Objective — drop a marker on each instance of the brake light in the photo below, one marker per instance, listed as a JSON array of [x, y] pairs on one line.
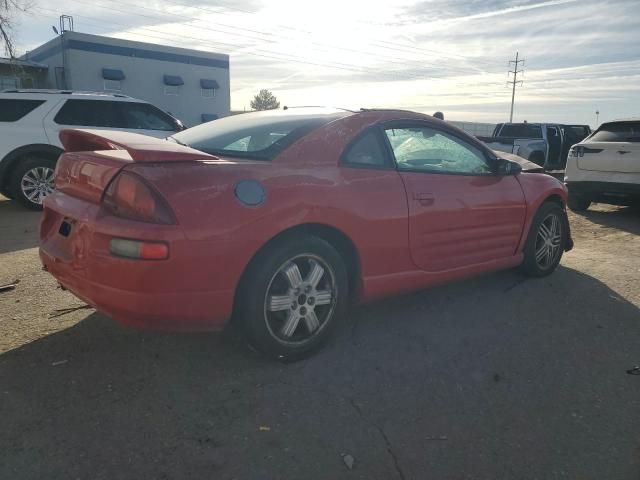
[[129, 196]]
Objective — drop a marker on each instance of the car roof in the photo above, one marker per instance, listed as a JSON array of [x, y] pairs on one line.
[[43, 94]]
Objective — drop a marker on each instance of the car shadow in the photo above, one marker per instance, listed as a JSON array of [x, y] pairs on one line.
[[477, 362], [622, 218], [18, 226]]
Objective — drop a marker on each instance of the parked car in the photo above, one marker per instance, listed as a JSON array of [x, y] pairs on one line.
[[280, 219], [30, 121], [545, 144], [605, 167]]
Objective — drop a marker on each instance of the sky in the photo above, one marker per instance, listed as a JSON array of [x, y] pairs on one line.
[[581, 56]]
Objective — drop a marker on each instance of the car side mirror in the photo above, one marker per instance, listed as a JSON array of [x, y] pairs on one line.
[[507, 167]]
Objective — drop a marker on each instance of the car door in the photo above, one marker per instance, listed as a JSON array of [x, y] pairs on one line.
[[461, 213]]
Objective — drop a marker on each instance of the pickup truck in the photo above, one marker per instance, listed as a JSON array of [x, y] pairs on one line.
[[545, 144]]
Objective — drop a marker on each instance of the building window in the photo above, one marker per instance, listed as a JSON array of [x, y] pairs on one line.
[[172, 84], [113, 79], [208, 87], [113, 85]]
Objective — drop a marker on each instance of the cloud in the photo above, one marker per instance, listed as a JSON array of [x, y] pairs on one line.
[[420, 54]]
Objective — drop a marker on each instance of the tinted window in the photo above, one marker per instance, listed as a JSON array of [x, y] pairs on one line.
[[145, 116], [521, 130], [617, 132], [366, 151], [259, 136], [429, 150], [12, 110], [90, 113]]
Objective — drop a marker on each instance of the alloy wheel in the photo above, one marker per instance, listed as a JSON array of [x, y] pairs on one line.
[[300, 299], [548, 241], [37, 183]]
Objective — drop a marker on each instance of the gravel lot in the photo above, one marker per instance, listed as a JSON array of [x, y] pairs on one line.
[[497, 377]]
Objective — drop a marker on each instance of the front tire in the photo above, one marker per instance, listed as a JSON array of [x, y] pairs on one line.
[[546, 241], [578, 203], [32, 180], [292, 297]]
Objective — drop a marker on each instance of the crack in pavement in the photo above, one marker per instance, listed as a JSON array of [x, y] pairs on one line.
[[392, 453]]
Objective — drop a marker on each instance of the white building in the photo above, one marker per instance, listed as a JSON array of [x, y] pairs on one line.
[[192, 85]]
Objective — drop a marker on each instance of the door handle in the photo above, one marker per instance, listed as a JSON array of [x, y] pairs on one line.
[[424, 198]]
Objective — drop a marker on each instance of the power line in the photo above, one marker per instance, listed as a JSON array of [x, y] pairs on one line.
[[515, 81], [242, 34], [259, 53]]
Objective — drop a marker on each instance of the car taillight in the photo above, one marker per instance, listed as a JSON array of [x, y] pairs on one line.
[[576, 151], [128, 196], [122, 247]]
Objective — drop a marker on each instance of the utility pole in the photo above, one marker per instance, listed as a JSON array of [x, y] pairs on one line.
[[515, 81]]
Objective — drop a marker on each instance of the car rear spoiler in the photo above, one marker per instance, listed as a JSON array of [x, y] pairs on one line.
[[141, 148]]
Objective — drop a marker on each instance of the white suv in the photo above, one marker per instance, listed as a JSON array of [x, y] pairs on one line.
[[605, 167], [30, 121]]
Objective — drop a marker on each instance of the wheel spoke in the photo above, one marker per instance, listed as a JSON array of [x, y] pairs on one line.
[[316, 273], [32, 196], [544, 231], [290, 324], [541, 253], [29, 179], [278, 303], [323, 297], [311, 320], [292, 272]]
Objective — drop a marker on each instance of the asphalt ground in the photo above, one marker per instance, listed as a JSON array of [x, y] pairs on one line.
[[496, 377]]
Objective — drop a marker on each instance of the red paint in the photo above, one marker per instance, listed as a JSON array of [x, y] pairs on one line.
[[410, 230]]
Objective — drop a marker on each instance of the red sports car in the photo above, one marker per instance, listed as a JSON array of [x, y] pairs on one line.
[[280, 219]]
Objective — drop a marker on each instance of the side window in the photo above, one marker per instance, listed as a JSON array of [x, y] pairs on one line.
[[143, 116], [429, 150], [89, 113], [12, 110], [365, 151]]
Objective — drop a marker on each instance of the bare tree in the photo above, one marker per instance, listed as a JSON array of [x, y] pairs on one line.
[[9, 9], [265, 100]]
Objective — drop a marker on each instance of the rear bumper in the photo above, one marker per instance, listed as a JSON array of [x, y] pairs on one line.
[[606, 192], [164, 295]]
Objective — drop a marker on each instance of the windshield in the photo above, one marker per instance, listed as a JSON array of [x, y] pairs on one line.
[[260, 135], [617, 132]]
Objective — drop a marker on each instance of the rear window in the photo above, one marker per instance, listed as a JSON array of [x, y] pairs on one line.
[[617, 132], [108, 114], [259, 136], [522, 130], [12, 110]]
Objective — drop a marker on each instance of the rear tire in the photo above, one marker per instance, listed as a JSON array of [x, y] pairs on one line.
[[31, 180], [578, 203], [5, 191], [292, 297], [546, 241]]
